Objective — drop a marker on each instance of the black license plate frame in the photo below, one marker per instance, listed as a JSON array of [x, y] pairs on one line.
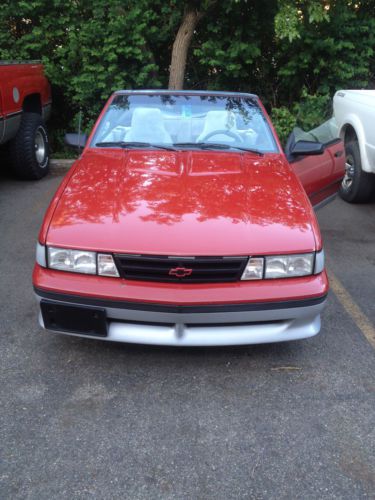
[[71, 318]]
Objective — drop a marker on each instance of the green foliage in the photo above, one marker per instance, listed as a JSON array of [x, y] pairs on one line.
[[308, 113], [330, 55], [233, 48], [89, 49], [312, 110], [292, 15], [287, 22], [293, 54], [284, 122], [60, 149]]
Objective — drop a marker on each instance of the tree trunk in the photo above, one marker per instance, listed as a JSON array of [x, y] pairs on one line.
[[181, 47]]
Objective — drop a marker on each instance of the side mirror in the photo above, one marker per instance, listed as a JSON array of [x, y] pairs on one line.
[[75, 140], [304, 148]]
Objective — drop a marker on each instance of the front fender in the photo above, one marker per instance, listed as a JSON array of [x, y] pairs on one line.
[[356, 123]]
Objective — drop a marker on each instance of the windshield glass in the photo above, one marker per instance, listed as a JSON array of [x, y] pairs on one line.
[[187, 121]]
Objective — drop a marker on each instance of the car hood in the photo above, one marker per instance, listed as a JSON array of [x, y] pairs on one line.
[[183, 203]]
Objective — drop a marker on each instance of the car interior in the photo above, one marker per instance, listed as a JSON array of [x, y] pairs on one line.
[[152, 125]]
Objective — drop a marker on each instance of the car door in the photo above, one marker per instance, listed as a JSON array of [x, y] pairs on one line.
[[320, 175]]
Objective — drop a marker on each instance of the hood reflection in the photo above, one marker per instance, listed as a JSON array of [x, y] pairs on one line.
[[164, 187], [191, 193]]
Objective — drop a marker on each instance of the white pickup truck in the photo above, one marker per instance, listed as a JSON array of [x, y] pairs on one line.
[[354, 113]]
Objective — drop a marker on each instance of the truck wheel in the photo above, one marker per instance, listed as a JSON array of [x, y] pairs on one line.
[[29, 149], [357, 185]]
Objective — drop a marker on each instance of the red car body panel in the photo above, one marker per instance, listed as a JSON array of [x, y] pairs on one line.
[[178, 293], [321, 176], [19, 82], [28, 79], [185, 203]]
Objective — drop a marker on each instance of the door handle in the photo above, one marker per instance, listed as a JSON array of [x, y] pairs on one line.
[[339, 153]]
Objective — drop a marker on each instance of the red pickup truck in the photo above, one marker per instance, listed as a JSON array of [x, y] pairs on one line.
[[25, 105], [184, 222]]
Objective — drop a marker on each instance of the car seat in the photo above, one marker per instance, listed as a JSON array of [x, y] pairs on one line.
[[147, 126], [218, 120]]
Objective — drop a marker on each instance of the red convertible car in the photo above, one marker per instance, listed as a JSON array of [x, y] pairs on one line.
[[184, 222]]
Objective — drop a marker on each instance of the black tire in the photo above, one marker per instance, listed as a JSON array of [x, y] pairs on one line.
[[29, 150], [357, 185]]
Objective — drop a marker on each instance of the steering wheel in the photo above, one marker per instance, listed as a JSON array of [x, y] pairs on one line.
[[229, 133]]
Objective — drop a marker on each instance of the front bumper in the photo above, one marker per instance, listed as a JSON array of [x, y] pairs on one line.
[[176, 325]]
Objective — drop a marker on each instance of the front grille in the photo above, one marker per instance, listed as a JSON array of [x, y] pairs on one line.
[[181, 269]]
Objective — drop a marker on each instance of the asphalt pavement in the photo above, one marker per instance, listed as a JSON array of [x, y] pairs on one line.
[[83, 419]]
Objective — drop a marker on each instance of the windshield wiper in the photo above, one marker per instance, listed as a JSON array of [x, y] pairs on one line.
[[198, 145], [134, 145], [248, 150], [215, 145]]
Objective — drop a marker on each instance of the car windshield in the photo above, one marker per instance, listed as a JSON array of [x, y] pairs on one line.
[[185, 121]]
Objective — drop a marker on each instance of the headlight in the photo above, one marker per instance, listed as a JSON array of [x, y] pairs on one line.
[[76, 261], [41, 255], [79, 261], [253, 269], [289, 266], [319, 262], [106, 265]]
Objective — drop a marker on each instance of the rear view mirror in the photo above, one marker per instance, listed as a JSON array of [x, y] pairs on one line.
[[304, 148], [75, 140]]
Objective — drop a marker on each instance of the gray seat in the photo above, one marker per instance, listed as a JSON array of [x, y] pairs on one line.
[[147, 126], [218, 120]]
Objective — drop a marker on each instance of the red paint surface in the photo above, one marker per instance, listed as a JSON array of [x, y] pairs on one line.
[[175, 293], [321, 175], [189, 203], [184, 203], [28, 79]]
